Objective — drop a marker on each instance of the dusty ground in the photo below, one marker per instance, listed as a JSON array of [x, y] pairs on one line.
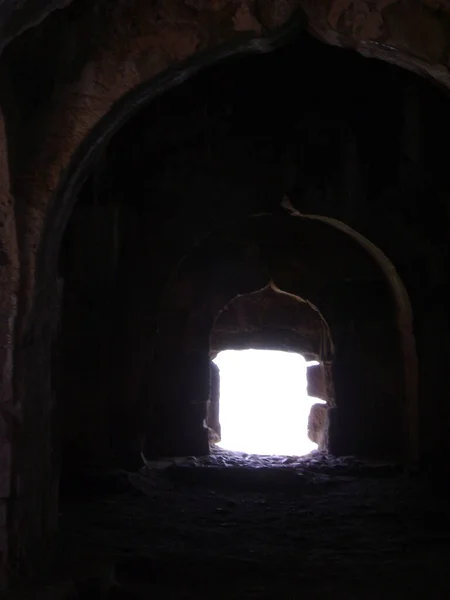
[[237, 526]]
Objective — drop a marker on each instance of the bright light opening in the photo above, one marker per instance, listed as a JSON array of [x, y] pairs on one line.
[[264, 406]]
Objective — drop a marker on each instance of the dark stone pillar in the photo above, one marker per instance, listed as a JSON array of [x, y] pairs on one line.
[[9, 410], [368, 380], [432, 335], [34, 513], [83, 375]]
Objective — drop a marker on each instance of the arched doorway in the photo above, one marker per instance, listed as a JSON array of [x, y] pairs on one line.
[[252, 332], [370, 418]]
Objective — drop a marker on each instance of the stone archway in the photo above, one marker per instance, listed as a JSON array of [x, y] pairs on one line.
[[46, 181], [85, 153], [269, 319], [404, 324], [371, 418]]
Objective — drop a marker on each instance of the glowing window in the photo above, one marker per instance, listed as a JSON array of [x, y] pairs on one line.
[[264, 406]]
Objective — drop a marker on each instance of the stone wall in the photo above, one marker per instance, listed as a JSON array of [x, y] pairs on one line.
[[8, 310], [316, 377], [270, 320], [84, 367], [212, 413]]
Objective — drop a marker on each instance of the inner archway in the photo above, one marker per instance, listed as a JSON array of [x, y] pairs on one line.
[[264, 403], [219, 149]]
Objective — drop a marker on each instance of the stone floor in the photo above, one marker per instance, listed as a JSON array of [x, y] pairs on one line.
[[237, 526]]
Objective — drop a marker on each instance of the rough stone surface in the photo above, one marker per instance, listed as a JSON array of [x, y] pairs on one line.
[[9, 411], [270, 320], [262, 527], [316, 377], [213, 411], [318, 425]]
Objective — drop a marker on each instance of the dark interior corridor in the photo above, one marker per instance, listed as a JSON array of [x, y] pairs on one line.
[[202, 183]]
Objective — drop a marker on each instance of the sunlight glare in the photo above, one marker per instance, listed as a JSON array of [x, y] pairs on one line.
[[264, 406]]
